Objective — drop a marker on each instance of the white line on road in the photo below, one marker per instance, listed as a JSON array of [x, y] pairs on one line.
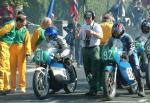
[[30, 70], [142, 100], [121, 101]]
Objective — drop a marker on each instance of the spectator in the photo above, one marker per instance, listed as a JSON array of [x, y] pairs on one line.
[[19, 51], [107, 23], [137, 13], [6, 12], [78, 55], [7, 33], [70, 38], [90, 35], [38, 35]]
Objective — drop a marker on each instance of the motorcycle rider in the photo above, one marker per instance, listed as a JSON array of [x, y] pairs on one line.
[[118, 32], [142, 39], [53, 40]]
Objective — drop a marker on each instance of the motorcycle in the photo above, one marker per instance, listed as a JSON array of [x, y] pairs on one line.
[[116, 68], [52, 74], [143, 49]]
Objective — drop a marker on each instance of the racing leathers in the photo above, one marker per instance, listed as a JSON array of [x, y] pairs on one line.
[[57, 43], [128, 46]]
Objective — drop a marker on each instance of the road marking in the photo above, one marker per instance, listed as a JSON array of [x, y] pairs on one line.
[[142, 100], [30, 70], [121, 101]]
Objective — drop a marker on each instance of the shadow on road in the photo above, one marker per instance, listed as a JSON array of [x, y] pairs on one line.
[[57, 98]]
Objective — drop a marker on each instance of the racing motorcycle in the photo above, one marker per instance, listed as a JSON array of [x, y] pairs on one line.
[[52, 74], [143, 49], [116, 68]]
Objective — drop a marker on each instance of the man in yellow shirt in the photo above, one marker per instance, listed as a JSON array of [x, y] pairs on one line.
[[38, 35], [106, 25], [19, 50]]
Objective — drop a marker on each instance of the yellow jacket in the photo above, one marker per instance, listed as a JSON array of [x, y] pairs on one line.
[[37, 37], [7, 32], [107, 31]]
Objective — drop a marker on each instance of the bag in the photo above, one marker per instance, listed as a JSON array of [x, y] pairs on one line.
[[70, 39]]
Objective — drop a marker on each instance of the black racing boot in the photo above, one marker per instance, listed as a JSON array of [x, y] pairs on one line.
[[141, 91]]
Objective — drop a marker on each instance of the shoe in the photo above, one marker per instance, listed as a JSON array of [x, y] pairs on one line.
[[10, 91], [52, 92], [78, 65], [141, 93], [91, 93], [2, 93], [22, 90]]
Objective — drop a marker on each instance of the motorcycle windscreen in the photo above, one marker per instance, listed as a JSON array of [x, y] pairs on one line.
[[59, 71], [125, 70]]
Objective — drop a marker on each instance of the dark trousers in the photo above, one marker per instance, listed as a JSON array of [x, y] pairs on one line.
[[91, 58]]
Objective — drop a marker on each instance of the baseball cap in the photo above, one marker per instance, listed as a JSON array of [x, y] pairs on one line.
[[88, 15]]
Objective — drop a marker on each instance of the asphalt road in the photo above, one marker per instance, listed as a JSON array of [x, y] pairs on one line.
[[78, 97]]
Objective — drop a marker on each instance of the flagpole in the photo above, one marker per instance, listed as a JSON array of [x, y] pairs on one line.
[[50, 9], [84, 8]]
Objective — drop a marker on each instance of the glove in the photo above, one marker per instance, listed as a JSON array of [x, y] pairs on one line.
[[28, 57], [124, 55], [57, 56]]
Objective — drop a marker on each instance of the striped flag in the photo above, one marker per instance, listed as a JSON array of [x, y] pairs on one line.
[[74, 10], [50, 9]]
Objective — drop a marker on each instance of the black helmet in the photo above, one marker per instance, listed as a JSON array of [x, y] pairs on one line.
[[145, 26], [117, 30]]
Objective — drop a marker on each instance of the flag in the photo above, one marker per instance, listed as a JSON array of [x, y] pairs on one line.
[[74, 10], [50, 9]]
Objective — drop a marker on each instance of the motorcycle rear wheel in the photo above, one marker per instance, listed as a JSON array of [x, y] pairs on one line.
[[40, 86]]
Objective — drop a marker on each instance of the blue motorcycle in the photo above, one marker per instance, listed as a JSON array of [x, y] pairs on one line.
[[116, 68], [52, 74], [143, 48]]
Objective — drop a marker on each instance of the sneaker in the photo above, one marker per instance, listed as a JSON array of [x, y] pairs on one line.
[[10, 91], [22, 90], [141, 93], [2, 93]]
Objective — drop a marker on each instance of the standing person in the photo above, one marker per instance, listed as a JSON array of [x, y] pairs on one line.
[[38, 35], [78, 55], [19, 51], [91, 34], [118, 32], [107, 24], [7, 35], [70, 39], [6, 12], [137, 13]]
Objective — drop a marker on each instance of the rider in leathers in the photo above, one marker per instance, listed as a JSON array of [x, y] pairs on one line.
[[57, 42], [53, 40], [144, 40], [118, 32]]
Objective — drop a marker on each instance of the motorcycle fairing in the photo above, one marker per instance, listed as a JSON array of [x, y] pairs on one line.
[[60, 72], [125, 70]]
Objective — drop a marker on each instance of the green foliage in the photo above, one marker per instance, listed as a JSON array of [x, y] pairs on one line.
[[37, 10], [16, 2]]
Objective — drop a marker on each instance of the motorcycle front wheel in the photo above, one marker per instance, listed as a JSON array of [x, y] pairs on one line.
[[40, 86], [70, 88], [109, 89]]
